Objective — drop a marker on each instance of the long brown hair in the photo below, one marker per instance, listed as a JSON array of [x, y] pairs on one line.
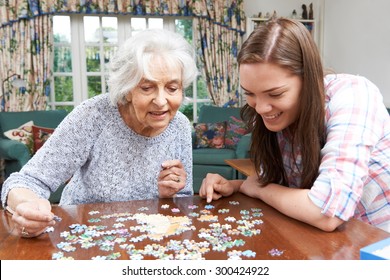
[[288, 44]]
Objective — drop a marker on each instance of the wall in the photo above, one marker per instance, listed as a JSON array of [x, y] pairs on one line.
[[354, 35], [357, 40]]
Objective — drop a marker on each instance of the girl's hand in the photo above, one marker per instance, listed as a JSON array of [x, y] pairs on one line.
[[214, 186]]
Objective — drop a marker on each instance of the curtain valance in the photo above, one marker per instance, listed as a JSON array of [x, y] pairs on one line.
[[227, 13]]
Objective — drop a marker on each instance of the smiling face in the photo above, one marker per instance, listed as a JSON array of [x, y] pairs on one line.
[[273, 92], [153, 103]]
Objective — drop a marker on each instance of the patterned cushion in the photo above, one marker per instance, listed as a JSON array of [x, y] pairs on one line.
[[40, 135], [23, 134], [235, 129], [210, 135]]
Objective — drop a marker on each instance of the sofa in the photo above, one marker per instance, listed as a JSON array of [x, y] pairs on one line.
[[211, 159], [16, 154]]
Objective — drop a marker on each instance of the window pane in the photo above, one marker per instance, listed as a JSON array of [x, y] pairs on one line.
[[189, 91], [91, 29], [68, 108], [110, 29], [94, 86], [63, 89], [105, 81], [187, 109], [93, 59], [62, 59], [156, 23], [137, 24], [184, 27], [61, 29], [108, 54], [202, 92]]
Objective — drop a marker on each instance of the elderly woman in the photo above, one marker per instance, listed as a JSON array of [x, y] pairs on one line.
[[130, 144]]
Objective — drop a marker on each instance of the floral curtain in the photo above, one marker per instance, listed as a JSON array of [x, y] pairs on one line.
[[25, 52], [218, 47], [219, 35], [26, 41]]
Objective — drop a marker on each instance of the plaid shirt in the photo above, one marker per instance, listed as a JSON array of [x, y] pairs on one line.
[[354, 175]]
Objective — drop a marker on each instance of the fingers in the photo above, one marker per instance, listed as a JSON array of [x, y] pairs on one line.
[[32, 218], [177, 176], [33, 214], [172, 163], [172, 178], [173, 170], [211, 187], [212, 195], [29, 228], [169, 188], [29, 232]]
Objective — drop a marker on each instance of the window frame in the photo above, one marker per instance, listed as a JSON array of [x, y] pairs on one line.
[[79, 72]]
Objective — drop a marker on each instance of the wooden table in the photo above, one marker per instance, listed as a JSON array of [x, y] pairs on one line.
[[278, 232], [245, 166]]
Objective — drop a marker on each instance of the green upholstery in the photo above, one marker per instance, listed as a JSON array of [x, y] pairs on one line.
[[209, 156], [217, 114], [16, 154], [209, 160]]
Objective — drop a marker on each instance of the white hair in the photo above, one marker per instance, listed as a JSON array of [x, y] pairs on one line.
[[133, 59]]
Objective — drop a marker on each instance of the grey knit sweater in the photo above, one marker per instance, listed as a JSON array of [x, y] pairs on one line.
[[105, 159]]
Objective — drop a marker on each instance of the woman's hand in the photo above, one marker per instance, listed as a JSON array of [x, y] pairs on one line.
[[214, 186], [32, 217], [172, 178]]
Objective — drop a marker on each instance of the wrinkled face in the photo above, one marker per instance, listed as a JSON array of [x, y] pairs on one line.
[[273, 92], [155, 101]]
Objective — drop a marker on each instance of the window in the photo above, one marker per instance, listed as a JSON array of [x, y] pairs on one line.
[[83, 46]]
